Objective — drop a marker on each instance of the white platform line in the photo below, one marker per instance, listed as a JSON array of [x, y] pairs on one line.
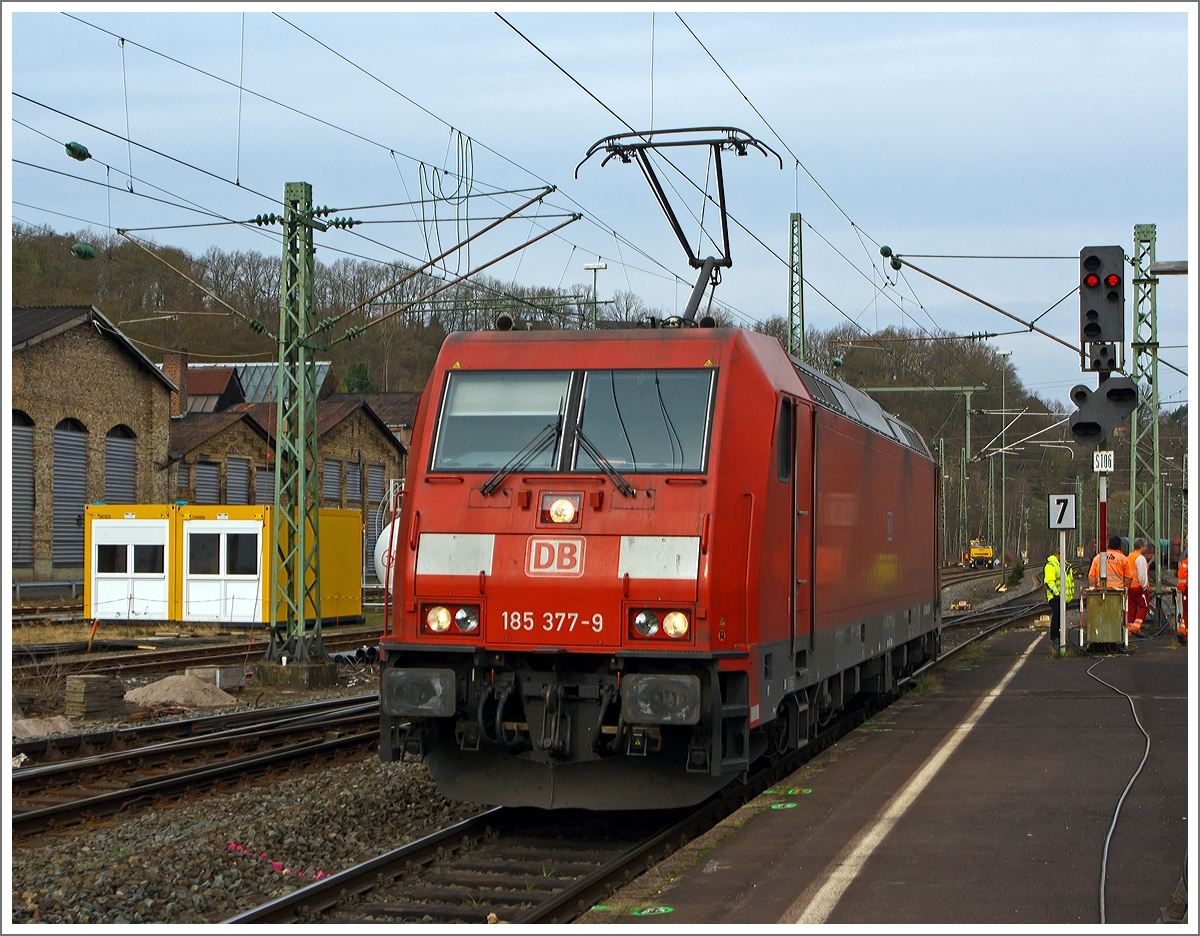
[[840, 873]]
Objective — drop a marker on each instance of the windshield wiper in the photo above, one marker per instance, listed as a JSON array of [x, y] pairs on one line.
[[523, 457], [606, 466]]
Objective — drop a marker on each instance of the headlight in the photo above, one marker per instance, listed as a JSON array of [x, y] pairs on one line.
[[467, 620], [675, 624], [562, 511], [438, 619], [560, 508], [646, 623]]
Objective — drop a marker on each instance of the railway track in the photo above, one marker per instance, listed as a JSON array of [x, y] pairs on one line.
[[523, 865], [52, 794], [533, 866], [37, 614], [954, 576], [158, 661]]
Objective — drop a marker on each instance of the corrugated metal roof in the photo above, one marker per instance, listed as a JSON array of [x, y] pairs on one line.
[[208, 381], [258, 380]]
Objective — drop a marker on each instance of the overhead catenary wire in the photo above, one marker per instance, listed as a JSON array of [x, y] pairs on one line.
[[854, 226], [590, 216], [198, 208], [987, 257], [457, 280], [195, 205], [255, 324], [163, 201], [859, 232], [992, 306], [731, 217], [149, 149]]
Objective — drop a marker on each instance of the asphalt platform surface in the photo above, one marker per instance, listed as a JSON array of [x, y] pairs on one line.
[[1010, 830]]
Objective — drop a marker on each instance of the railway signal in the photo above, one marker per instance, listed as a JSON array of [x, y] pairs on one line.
[[1101, 410], [1102, 308]]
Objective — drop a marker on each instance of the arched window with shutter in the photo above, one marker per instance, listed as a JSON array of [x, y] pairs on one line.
[[70, 492], [120, 466], [22, 489]]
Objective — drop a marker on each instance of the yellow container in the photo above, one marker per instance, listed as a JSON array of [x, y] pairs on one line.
[[341, 564], [223, 553], [206, 563], [129, 554]]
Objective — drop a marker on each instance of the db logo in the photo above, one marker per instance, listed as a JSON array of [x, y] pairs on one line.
[[554, 556]]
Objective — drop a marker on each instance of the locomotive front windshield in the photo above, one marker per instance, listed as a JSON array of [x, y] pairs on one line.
[[646, 420], [636, 420], [488, 417]]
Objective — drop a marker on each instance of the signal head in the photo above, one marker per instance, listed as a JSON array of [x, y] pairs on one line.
[[1101, 307]]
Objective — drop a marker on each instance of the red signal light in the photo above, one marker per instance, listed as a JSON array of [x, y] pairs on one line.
[[1112, 279], [1091, 280]]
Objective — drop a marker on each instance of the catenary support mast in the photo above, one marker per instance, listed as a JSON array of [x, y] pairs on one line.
[[295, 573], [1145, 517]]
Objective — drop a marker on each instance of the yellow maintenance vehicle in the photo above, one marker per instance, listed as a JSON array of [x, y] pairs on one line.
[[980, 556]]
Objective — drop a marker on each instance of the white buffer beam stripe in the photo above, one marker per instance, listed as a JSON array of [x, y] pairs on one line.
[[659, 557], [455, 553]]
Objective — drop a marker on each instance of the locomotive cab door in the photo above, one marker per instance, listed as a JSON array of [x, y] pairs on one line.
[[804, 480]]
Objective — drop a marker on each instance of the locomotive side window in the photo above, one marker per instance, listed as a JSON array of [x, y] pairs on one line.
[[647, 420], [784, 454], [490, 416]]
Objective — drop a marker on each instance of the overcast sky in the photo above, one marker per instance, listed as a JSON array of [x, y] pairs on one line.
[[1026, 133]]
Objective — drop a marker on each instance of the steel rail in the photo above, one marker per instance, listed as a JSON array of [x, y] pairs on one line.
[[325, 893], [39, 820], [1006, 620], [155, 661], [266, 728], [203, 725], [563, 905]]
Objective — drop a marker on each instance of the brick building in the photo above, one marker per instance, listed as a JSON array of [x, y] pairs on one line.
[[90, 423], [228, 458], [359, 455], [221, 458], [397, 409]]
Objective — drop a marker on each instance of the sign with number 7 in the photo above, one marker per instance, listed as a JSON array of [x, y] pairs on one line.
[[1062, 512]]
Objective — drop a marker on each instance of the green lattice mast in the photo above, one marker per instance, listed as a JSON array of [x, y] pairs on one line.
[[296, 571], [795, 334], [1145, 517]]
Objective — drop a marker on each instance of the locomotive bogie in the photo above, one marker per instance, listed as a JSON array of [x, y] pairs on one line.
[[634, 563]]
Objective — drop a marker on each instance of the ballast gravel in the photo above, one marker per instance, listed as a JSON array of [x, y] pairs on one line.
[[228, 852]]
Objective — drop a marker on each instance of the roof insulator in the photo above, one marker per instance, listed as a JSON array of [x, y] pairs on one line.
[[83, 252], [896, 264], [885, 251], [78, 151]]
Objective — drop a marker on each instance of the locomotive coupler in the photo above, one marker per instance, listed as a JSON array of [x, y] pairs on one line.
[[558, 741]]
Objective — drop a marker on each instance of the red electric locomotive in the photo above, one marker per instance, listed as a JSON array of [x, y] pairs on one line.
[[632, 562]]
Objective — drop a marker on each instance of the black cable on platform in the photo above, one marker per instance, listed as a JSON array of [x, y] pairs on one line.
[[1128, 786]]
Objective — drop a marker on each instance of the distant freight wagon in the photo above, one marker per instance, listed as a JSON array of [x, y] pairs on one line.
[[185, 563]]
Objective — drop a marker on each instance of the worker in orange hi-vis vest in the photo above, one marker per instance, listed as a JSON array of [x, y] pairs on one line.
[[1118, 572], [1181, 633], [1139, 584]]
